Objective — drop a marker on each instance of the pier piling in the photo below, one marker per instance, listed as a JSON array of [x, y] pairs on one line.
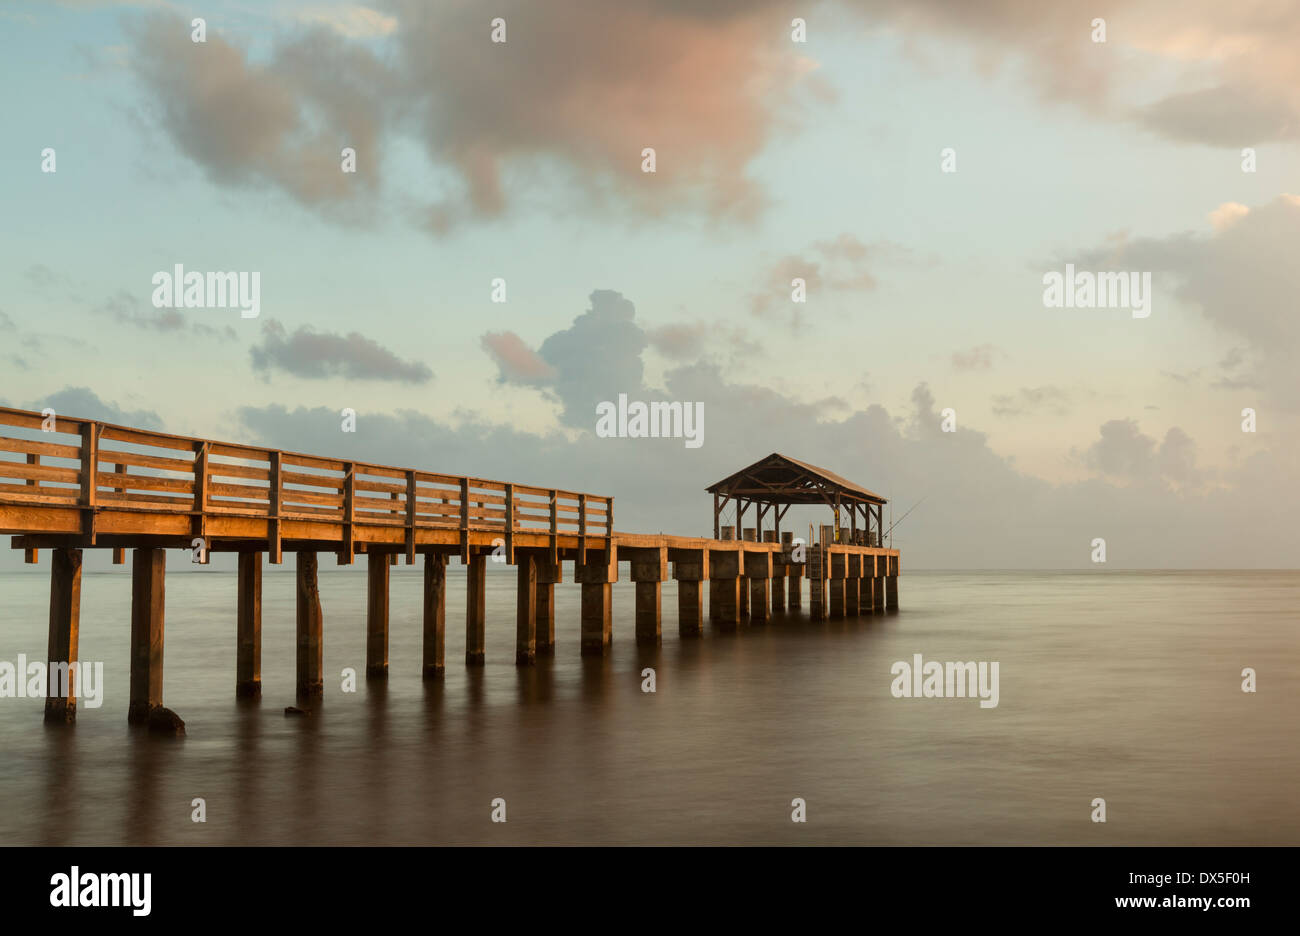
[[377, 592], [435, 614], [65, 627], [526, 609], [148, 599], [248, 629], [549, 574], [311, 647], [476, 610]]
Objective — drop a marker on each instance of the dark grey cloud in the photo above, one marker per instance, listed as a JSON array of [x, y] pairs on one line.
[[978, 358], [1028, 400], [1223, 116], [129, 309], [85, 403], [321, 355]]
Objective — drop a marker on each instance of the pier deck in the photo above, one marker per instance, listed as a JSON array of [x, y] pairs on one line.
[[68, 484]]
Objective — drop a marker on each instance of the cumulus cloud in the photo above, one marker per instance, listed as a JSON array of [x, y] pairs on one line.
[[282, 123], [1147, 497], [1244, 280], [320, 355]]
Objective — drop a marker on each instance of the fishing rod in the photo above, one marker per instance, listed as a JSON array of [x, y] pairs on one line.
[[895, 523]]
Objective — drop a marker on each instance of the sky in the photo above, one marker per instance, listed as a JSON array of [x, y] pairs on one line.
[[822, 159]]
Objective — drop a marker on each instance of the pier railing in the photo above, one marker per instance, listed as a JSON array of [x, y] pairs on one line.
[[100, 466]]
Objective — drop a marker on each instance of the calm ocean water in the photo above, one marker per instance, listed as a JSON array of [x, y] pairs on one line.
[[1119, 685]]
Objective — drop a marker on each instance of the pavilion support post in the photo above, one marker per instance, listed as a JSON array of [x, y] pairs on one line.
[[311, 629], [435, 615], [526, 609], [476, 610], [878, 586], [649, 569], [377, 566], [148, 575], [248, 627], [65, 629]]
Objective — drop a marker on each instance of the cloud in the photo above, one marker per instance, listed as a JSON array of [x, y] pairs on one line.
[[1243, 278], [979, 357], [1227, 214], [1124, 452], [321, 355], [683, 341], [282, 123], [6, 323], [351, 22], [516, 362], [1028, 400], [1223, 116], [82, 402], [840, 265], [128, 309]]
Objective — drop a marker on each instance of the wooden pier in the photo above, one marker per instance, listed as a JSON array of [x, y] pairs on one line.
[[117, 488]]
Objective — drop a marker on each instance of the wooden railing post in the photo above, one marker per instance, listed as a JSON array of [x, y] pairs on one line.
[[199, 523], [89, 472], [510, 522], [555, 529], [582, 530], [31, 555], [119, 553], [410, 518], [349, 512], [274, 494], [464, 519]]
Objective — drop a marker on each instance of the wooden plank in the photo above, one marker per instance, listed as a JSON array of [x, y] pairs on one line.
[[223, 470], [181, 465], [32, 447], [39, 472], [136, 482]]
